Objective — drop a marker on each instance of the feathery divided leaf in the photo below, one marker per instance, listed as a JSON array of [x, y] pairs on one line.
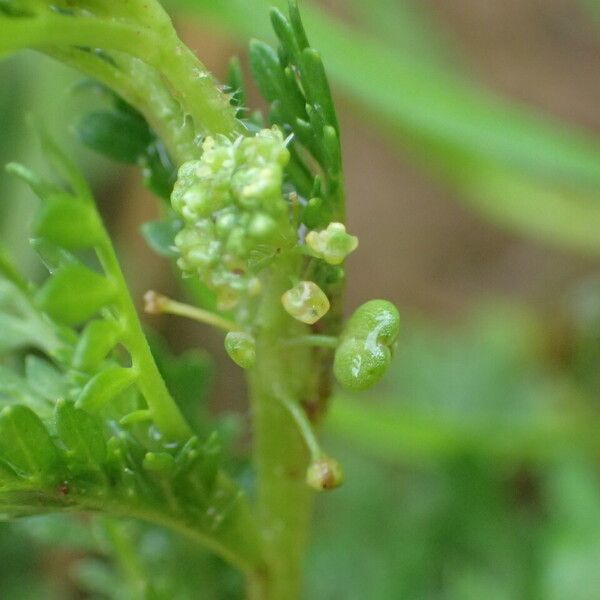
[[82, 436], [26, 445], [74, 294], [294, 82], [75, 432]]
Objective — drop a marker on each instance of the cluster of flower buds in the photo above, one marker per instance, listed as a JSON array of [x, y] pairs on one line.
[[233, 212]]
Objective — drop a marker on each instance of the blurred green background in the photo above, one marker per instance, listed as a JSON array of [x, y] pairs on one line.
[[471, 136]]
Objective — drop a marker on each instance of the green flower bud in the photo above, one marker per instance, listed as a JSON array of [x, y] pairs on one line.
[[252, 185], [237, 243], [262, 227], [201, 202], [365, 349], [241, 348], [225, 221], [312, 215], [324, 474], [332, 244], [306, 302], [232, 207]]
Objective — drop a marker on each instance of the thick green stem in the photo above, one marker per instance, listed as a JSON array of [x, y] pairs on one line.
[[191, 83], [141, 86], [280, 454]]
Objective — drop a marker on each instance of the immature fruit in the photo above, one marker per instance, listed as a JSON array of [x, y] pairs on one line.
[[324, 474], [365, 349], [332, 244], [241, 348], [306, 302]]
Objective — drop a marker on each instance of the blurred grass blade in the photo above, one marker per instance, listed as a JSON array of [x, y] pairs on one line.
[[410, 436], [404, 25]]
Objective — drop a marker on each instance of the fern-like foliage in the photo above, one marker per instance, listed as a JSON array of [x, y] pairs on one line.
[[84, 425], [293, 80]]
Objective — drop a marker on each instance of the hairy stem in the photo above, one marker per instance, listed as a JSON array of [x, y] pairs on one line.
[[190, 82], [141, 86]]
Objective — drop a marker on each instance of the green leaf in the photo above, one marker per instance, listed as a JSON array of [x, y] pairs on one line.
[[82, 435], [121, 136], [160, 236], [64, 166], [16, 333], [7, 473], [54, 257], [8, 271], [285, 33], [20, 324], [158, 170], [40, 186], [14, 389], [74, 294], [197, 467], [266, 70], [26, 445], [235, 81], [98, 338], [67, 222], [316, 85], [188, 377], [332, 151], [16, 8], [105, 386], [45, 378], [297, 26]]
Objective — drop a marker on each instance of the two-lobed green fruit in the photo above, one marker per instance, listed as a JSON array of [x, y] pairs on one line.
[[366, 345]]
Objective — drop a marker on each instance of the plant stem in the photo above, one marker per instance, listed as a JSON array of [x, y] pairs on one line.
[[304, 426], [141, 86], [191, 83], [316, 341], [280, 453], [159, 304], [164, 411]]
